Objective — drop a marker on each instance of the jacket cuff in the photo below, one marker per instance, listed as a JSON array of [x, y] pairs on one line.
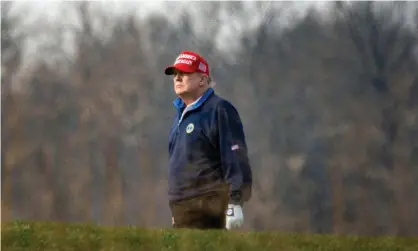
[[235, 198]]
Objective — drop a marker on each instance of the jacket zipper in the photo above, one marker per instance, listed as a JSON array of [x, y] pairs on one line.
[[182, 118]]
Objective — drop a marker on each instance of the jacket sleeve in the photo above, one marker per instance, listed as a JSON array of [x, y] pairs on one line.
[[233, 152]]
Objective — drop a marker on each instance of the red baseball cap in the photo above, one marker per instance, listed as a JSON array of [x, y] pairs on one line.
[[189, 61]]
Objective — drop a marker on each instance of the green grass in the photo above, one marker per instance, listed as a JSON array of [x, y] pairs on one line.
[[34, 236]]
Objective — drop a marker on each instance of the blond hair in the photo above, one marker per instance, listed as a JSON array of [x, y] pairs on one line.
[[210, 81]]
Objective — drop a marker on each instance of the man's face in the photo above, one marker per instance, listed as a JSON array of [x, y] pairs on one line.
[[186, 83]]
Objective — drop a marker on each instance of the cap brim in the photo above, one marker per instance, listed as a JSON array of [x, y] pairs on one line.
[[170, 70]]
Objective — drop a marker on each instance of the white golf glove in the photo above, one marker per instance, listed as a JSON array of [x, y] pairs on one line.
[[234, 217]]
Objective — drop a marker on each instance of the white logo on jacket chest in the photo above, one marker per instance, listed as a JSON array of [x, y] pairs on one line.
[[189, 128]]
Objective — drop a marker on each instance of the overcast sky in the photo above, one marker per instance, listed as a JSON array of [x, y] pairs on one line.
[[52, 7], [39, 13], [51, 12]]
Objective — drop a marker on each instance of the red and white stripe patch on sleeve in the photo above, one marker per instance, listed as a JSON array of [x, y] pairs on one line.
[[235, 147]]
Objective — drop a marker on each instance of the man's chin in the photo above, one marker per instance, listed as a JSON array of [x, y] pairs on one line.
[[180, 92]]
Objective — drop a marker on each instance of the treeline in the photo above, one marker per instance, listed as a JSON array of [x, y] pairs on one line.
[[329, 104]]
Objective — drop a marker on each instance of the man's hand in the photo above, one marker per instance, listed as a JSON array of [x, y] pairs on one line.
[[234, 216]]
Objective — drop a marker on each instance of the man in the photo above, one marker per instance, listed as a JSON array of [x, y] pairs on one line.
[[209, 173]]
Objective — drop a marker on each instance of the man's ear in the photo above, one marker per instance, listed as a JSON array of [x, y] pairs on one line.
[[202, 80]]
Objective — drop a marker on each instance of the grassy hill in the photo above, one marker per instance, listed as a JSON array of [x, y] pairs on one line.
[[43, 236]]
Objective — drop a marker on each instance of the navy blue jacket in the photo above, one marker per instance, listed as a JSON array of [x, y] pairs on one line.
[[207, 150]]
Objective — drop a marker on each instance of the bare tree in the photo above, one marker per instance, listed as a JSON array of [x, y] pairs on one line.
[[11, 44]]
